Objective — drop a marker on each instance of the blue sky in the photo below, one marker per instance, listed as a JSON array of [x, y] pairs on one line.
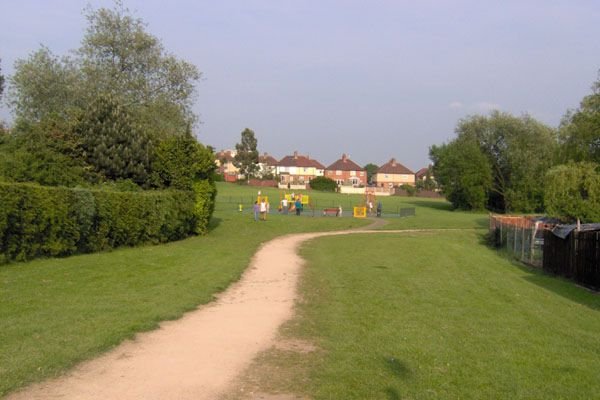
[[375, 80]]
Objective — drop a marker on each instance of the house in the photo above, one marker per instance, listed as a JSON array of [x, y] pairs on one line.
[[346, 172], [225, 166], [298, 170], [393, 174], [421, 175], [267, 165]]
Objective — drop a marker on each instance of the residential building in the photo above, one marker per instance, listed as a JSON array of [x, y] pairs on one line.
[[267, 165], [392, 174], [225, 166], [298, 169], [346, 172]]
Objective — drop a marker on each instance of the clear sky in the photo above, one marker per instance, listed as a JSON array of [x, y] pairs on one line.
[[373, 79]]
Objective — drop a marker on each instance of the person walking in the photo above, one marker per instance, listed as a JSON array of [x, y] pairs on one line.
[[263, 210], [256, 209], [298, 205], [284, 205]]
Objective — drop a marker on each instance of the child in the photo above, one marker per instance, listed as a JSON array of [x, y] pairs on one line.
[[256, 209]]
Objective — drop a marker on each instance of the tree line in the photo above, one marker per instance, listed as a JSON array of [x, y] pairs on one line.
[[505, 163], [115, 111]]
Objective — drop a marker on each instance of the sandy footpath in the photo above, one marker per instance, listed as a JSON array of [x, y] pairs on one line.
[[199, 355]]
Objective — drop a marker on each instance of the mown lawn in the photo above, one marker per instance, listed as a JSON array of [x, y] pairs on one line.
[[57, 312], [435, 316]]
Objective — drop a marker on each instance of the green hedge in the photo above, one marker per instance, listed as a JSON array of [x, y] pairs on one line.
[[38, 221]]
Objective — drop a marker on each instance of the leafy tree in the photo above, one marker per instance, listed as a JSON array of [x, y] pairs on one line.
[[45, 85], [580, 130], [112, 144], [323, 184], [463, 172], [371, 171], [1, 82], [180, 161], [518, 152], [119, 57], [573, 191], [246, 158]]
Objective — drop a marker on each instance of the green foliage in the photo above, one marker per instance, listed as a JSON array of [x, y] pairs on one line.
[[371, 171], [463, 172], [580, 130], [517, 152], [42, 153], [180, 161], [112, 144], [573, 191], [246, 158], [205, 193], [409, 189], [323, 184], [1, 82], [40, 221]]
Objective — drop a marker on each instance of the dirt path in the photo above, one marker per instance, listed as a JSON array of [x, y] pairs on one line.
[[198, 356]]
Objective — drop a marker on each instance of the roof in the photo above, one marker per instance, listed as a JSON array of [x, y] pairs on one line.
[[267, 159], [226, 155], [297, 160], [422, 172], [393, 167], [345, 164], [562, 231]]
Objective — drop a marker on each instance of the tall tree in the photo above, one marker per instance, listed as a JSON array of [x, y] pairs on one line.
[[371, 171], [111, 142], [573, 192], [580, 130], [464, 173], [1, 82], [520, 150], [246, 158]]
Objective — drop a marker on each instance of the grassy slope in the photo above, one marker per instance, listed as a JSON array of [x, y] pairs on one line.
[[56, 312], [425, 316]]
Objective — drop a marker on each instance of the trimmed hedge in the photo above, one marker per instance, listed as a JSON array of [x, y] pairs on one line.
[[37, 221]]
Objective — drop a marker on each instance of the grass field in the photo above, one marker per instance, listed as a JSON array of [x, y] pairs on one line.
[[434, 316], [418, 316]]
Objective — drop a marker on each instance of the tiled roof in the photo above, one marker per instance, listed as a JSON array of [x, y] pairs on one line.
[[393, 167], [422, 172], [267, 159], [297, 160], [226, 155], [344, 164]]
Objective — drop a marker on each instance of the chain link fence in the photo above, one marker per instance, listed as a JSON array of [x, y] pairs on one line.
[[520, 236]]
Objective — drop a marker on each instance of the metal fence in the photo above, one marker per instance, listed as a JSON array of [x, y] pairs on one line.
[[519, 236]]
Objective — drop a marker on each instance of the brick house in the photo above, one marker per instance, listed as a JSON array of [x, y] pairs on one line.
[[225, 167], [267, 165], [298, 169], [346, 172], [392, 174]]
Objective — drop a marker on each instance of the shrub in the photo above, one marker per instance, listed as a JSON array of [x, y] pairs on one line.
[[38, 221], [323, 184]]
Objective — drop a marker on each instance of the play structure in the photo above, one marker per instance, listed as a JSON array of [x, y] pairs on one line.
[[291, 199], [368, 205]]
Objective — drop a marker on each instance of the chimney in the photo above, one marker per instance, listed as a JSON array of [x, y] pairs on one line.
[[344, 157], [296, 155], [393, 161]]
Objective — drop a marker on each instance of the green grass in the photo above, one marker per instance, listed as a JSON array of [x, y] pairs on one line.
[[57, 312], [436, 316], [397, 316]]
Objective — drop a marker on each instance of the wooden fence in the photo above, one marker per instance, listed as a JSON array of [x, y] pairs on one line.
[[577, 257]]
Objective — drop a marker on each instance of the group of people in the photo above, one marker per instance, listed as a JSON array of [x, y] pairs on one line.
[[261, 206]]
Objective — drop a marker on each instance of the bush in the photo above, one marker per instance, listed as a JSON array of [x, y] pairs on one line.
[[323, 184], [37, 221], [409, 189]]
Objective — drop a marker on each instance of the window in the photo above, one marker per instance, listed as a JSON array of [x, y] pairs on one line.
[[338, 172], [352, 173]]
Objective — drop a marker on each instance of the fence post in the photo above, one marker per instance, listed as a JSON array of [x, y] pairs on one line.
[[522, 243], [514, 239]]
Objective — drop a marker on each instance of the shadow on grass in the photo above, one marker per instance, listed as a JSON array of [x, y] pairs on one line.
[[397, 367], [214, 223], [561, 286], [436, 205], [392, 393]]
